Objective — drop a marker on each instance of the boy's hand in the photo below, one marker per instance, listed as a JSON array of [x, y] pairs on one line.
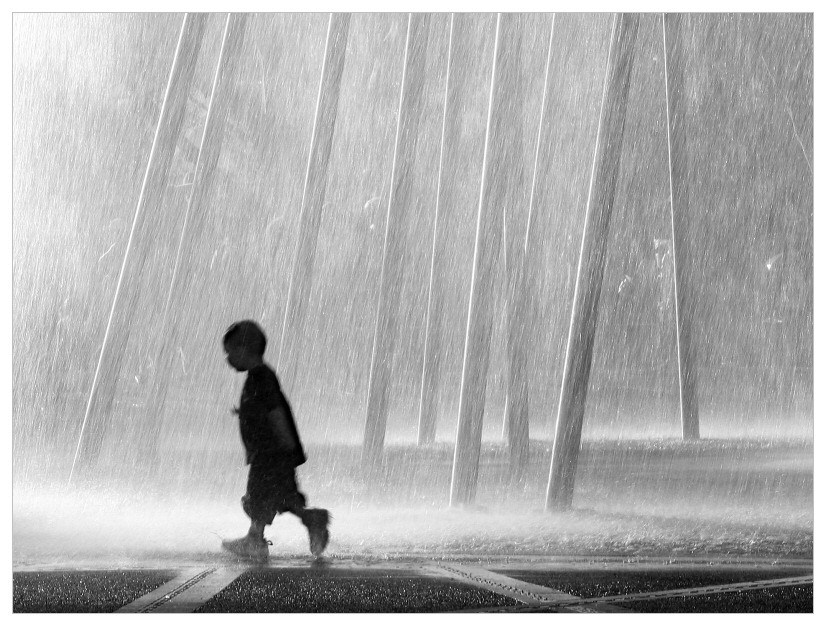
[[283, 434]]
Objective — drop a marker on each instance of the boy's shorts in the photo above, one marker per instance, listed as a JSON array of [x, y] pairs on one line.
[[271, 489]]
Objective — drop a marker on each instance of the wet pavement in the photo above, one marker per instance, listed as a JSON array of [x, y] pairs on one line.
[[500, 584], [657, 527]]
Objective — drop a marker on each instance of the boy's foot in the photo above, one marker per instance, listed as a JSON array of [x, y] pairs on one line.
[[316, 521], [248, 547]]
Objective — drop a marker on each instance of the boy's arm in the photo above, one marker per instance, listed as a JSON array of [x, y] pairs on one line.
[[278, 422]]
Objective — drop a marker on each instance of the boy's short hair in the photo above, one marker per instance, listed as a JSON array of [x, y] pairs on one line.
[[247, 333]]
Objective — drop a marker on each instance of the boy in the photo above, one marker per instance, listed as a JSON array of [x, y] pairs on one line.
[[272, 445]]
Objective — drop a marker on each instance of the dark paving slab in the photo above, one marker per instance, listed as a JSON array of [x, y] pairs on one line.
[[83, 591], [289, 590], [621, 581], [797, 599]]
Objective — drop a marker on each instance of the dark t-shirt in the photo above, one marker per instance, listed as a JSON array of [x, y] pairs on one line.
[[260, 395]]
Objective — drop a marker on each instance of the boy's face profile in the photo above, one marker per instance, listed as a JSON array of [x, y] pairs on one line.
[[240, 357]]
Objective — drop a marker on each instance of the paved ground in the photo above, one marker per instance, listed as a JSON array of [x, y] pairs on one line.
[[720, 526], [337, 585]]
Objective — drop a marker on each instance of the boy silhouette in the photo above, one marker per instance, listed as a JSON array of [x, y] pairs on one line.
[[273, 448]]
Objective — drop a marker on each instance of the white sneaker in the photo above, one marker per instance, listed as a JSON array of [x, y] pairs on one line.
[[248, 547]]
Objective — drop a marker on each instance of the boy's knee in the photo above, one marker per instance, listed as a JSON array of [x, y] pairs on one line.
[[298, 505], [257, 512], [315, 518]]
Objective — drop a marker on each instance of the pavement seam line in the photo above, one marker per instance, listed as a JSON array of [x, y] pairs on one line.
[[202, 591], [517, 589], [693, 591], [165, 592], [508, 588], [179, 590]]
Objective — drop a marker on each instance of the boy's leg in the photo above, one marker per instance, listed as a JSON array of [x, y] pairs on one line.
[[257, 529], [272, 488], [317, 522], [260, 512]]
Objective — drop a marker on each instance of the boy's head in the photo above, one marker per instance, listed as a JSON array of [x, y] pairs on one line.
[[244, 343]]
